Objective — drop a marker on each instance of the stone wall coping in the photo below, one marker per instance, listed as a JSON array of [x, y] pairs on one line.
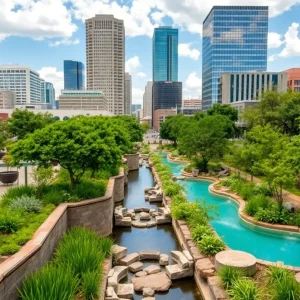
[[135, 154], [34, 245]]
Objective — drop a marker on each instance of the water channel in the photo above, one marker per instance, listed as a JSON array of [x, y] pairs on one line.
[[161, 238]]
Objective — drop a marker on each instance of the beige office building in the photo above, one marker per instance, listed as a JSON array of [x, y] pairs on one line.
[[7, 99], [105, 59], [147, 100], [82, 100], [128, 94]]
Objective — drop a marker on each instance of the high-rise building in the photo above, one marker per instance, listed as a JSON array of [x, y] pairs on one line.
[[234, 40], [249, 86], [165, 54], [7, 99], [147, 100], [166, 95], [43, 91], [128, 94], [135, 107], [293, 79], [49, 93], [25, 82], [105, 60], [73, 75]]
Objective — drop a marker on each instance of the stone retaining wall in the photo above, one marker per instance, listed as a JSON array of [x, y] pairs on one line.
[[95, 214], [132, 161]]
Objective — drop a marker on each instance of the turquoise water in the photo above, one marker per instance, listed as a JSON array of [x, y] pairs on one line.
[[262, 243]]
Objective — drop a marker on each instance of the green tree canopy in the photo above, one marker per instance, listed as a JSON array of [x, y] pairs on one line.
[[23, 121], [224, 110], [132, 126], [204, 139], [78, 144]]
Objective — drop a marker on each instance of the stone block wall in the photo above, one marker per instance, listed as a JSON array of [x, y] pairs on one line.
[[119, 186], [132, 161], [95, 214]]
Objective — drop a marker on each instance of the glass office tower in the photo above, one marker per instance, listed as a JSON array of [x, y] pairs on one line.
[[73, 75], [235, 39], [165, 54]]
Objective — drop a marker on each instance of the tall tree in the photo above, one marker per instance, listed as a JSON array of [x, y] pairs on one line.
[[204, 140], [224, 110], [23, 122]]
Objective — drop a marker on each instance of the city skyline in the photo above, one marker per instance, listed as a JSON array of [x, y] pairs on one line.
[[45, 51]]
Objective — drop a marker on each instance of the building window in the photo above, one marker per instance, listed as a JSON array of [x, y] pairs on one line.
[[296, 82]]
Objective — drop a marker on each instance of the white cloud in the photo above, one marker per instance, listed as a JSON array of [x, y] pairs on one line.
[[292, 42], [132, 63], [137, 96], [141, 74], [35, 19], [274, 40], [193, 86], [54, 76], [65, 42], [272, 57], [188, 51]]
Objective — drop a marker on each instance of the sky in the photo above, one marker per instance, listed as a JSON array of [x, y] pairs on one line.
[[41, 34]]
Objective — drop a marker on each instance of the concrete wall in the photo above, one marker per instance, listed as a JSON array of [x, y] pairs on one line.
[[132, 161], [95, 214]]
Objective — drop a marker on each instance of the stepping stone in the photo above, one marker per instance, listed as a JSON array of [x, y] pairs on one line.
[[136, 267], [164, 259], [129, 259], [142, 209], [159, 282], [138, 224], [145, 216], [151, 224], [163, 220], [125, 291], [148, 298], [148, 292], [124, 222], [120, 272], [180, 259], [141, 274], [119, 252], [176, 272], [152, 269], [149, 255]]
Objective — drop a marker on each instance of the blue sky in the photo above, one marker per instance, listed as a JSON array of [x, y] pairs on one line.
[[42, 33]]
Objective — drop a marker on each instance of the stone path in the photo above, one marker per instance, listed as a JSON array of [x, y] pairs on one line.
[[156, 277]]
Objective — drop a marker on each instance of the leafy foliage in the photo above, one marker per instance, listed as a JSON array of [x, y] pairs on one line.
[[26, 203], [9, 223], [244, 289], [211, 245], [229, 274]]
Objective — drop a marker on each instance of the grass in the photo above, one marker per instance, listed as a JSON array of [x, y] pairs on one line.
[[77, 268], [245, 289], [228, 275]]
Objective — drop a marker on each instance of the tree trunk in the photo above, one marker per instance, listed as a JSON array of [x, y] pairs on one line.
[[72, 179]]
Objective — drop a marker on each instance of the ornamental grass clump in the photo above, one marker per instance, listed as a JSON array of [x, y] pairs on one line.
[[229, 274], [211, 245], [51, 282], [245, 289], [9, 222], [90, 284], [199, 231]]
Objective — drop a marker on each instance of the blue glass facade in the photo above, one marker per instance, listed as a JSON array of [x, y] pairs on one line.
[[234, 40], [165, 54], [73, 75], [49, 93]]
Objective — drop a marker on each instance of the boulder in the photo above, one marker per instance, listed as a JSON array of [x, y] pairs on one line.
[[162, 220], [176, 272], [129, 259], [119, 252], [136, 267], [152, 269], [180, 259], [124, 222], [111, 294], [125, 291], [142, 209], [195, 172], [159, 282], [138, 224], [148, 292], [164, 259], [151, 224], [149, 255], [205, 268], [188, 255], [141, 274], [145, 216]]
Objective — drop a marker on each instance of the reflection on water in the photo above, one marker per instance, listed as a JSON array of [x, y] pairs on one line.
[[161, 238]]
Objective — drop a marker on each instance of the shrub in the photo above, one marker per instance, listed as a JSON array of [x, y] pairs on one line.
[[189, 168], [211, 245], [262, 189], [51, 282], [58, 193], [273, 215], [257, 202], [41, 176], [172, 189], [17, 192], [9, 222], [244, 289], [90, 189], [8, 249], [29, 204], [199, 231], [283, 284], [90, 284], [179, 198], [175, 153], [228, 275], [246, 191]]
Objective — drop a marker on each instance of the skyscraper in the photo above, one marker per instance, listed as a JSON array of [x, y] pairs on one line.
[[105, 60], [128, 94], [165, 54], [147, 100], [234, 40], [49, 93], [73, 75]]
